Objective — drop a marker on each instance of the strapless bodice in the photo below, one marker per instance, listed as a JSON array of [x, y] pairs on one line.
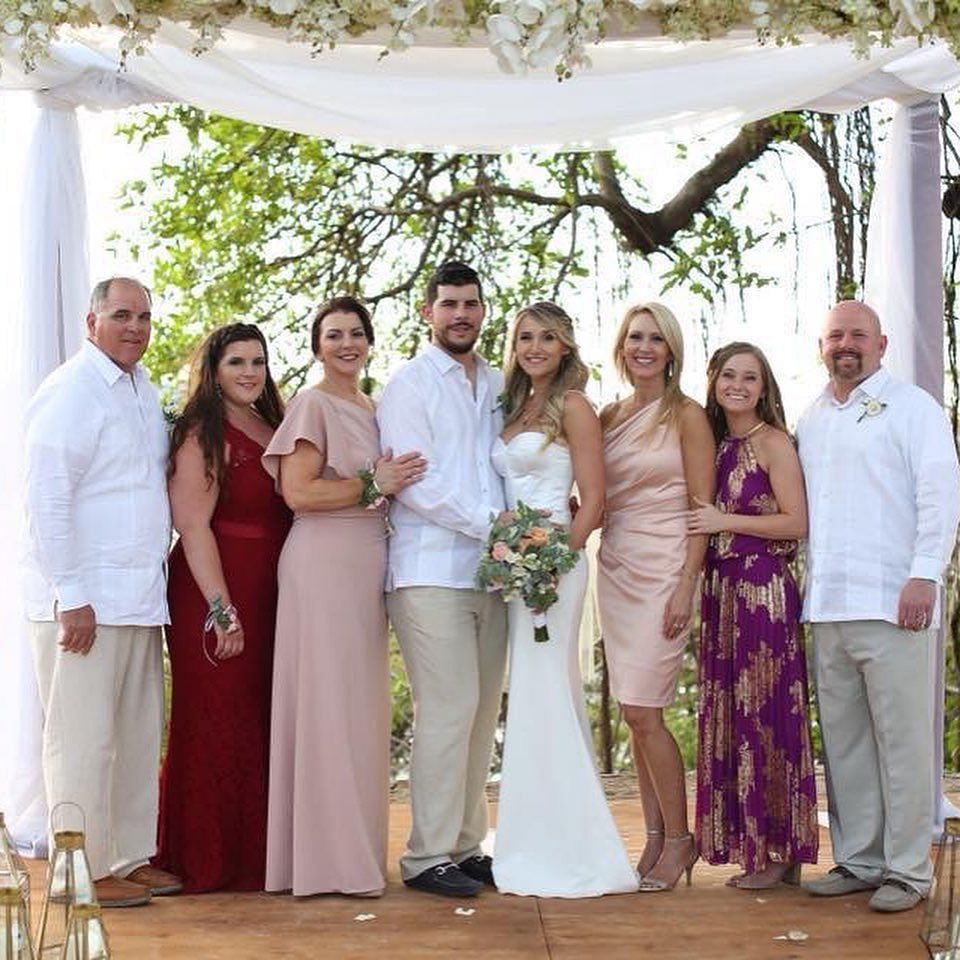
[[540, 477]]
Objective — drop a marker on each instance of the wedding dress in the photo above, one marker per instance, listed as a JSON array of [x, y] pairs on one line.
[[555, 834]]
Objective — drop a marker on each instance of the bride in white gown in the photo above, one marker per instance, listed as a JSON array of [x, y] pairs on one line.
[[555, 834]]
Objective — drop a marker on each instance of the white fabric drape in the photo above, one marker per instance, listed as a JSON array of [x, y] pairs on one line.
[[904, 252], [55, 282], [438, 95]]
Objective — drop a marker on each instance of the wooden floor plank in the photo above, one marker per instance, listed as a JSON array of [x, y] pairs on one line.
[[708, 920]]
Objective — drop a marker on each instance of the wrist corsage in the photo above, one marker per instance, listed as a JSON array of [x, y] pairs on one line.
[[371, 496], [218, 615]]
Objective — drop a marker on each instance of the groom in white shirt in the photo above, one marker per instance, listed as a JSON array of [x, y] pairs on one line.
[[445, 403], [884, 497]]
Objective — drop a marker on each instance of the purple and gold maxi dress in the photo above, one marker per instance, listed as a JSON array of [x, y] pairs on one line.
[[756, 792]]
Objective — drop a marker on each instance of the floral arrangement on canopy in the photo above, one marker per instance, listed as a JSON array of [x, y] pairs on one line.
[[522, 34]]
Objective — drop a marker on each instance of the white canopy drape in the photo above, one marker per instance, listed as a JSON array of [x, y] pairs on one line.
[[440, 95]]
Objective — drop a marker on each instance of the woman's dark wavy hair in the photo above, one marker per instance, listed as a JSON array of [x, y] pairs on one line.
[[203, 412]]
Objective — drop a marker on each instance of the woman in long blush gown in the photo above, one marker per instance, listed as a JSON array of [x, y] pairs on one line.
[[330, 729], [555, 834], [213, 787], [658, 455], [756, 791]]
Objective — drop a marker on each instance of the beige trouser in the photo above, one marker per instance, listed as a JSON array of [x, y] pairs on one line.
[[874, 697], [103, 718], [454, 644]]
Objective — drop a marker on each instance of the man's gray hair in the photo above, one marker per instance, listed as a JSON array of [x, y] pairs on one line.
[[102, 290]]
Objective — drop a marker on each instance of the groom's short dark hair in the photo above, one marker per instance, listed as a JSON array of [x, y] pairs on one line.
[[453, 273]]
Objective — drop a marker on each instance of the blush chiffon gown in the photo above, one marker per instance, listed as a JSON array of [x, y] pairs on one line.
[[330, 737]]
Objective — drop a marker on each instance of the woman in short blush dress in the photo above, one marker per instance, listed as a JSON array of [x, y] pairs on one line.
[[756, 791], [330, 731], [658, 456], [213, 786]]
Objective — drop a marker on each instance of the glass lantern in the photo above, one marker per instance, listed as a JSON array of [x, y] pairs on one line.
[[68, 883], [940, 926], [13, 868], [15, 942], [86, 938]]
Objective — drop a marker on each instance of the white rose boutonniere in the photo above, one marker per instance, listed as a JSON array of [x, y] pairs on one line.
[[871, 407]]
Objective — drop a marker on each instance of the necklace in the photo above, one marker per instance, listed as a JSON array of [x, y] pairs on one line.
[[756, 427]]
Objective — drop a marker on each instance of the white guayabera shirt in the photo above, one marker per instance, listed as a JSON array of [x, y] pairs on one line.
[[98, 520], [441, 523], [883, 489]]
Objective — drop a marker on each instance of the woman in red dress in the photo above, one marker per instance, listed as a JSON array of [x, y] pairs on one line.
[[223, 598]]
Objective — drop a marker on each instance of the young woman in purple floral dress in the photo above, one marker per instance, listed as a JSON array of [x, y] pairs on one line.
[[756, 793]]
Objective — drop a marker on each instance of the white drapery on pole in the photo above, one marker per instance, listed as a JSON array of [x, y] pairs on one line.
[[905, 285], [55, 284], [904, 249]]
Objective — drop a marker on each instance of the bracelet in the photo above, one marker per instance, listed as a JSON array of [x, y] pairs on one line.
[[225, 617], [371, 495]]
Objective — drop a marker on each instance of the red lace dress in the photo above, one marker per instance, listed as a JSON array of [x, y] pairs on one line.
[[213, 786]]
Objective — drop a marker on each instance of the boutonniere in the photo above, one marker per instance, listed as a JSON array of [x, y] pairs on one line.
[[871, 407]]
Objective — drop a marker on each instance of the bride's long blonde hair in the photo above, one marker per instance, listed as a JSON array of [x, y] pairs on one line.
[[572, 373]]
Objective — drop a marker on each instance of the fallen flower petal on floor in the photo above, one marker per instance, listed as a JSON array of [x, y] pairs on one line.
[[465, 911], [365, 916], [794, 936]]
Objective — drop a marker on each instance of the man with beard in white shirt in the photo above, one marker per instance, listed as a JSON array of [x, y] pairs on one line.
[[445, 403], [884, 498], [98, 526]]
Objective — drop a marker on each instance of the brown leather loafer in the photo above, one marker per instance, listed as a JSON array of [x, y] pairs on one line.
[[114, 892], [157, 881]]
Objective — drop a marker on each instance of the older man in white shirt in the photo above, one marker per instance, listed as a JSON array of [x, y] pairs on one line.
[[98, 533], [884, 499], [445, 403]]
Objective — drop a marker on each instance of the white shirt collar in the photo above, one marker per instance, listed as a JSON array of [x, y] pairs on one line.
[[445, 363], [110, 371], [873, 386]]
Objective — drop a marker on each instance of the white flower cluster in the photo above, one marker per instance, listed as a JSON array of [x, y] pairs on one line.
[[522, 34], [531, 34]]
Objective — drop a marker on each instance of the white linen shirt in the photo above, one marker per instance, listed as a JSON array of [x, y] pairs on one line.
[[98, 519], [883, 489], [441, 522]]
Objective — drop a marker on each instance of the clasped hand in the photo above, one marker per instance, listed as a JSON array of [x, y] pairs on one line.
[[394, 473], [706, 518]]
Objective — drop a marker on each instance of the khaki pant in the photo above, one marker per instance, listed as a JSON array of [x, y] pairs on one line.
[[103, 718], [454, 644], [874, 697]]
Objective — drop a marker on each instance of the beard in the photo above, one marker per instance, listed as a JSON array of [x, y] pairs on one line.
[[458, 347], [845, 372]]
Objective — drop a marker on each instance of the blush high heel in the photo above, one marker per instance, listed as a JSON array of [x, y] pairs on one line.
[[656, 884]]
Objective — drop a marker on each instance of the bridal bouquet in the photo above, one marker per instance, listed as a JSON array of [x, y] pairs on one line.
[[525, 557]]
